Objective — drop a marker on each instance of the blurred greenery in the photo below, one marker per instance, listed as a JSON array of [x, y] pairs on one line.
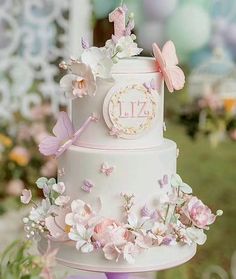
[[211, 173]]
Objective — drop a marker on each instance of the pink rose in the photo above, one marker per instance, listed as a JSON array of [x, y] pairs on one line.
[[110, 231], [56, 225], [198, 213], [26, 196]]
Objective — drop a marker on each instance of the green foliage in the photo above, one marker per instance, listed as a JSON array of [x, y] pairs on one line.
[[17, 263]]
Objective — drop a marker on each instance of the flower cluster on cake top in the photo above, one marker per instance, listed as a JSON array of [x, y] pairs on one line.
[[96, 63], [179, 218]]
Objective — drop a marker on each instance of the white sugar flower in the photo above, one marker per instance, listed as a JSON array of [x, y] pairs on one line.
[[196, 235], [80, 82], [177, 182], [99, 61], [81, 213], [39, 213], [136, 223], [130, 252], [82, 236], [125, 47]]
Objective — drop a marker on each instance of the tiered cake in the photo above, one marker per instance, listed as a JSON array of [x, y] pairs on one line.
[[118, 205]]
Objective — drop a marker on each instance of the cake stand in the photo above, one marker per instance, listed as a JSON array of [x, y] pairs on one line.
[[153, 260]]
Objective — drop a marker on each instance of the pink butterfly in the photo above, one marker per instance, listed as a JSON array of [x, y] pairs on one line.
[[151, 85], [65, 136], [87, 186], [167, 61], [164, 181], [107, 170]]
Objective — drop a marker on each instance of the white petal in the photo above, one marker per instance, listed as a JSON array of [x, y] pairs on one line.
[[87, 248], [185, 188]]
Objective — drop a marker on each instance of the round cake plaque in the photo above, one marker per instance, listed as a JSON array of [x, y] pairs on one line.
[[130, 109]]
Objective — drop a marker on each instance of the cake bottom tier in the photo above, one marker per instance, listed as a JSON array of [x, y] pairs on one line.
[[154, 259]]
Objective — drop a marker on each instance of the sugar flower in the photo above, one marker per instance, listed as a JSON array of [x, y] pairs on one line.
[[80, 82], [81, 213], [130, 252], [40, 212], [112, 252], [177, 182], [82, 236], [196, 235], [124, 47], [99, 61], [26, 196], [110, 231], [56, 225], [62, 200], [198, 213]]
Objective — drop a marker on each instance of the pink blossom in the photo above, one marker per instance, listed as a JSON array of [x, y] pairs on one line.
[[26, 196], [57, 226], [198, 213], [130, 251], [110, 231]]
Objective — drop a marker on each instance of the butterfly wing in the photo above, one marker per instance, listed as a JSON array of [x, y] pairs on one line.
[[177, 77], [63, 129], [169, 54], [159, 57], [49, 146]]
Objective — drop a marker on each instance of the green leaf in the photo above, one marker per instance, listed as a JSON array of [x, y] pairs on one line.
[[41, 182]]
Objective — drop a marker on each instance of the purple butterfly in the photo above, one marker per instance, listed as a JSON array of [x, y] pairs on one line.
[[107, 170], [87, 186], [64, 136], [164, 181], [151, 85]]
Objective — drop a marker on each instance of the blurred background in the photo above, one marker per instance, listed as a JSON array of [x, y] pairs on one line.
[[37, 34]]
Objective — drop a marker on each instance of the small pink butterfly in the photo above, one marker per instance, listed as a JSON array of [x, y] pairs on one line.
[[164, 181], [151, 85], [87, 186], [167, 63], [107, 170], [65, 136]]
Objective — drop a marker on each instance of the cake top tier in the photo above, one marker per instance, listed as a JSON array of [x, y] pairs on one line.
[[123, 92]]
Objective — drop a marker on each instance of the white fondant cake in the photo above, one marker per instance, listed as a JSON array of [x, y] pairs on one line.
[[118, 205]]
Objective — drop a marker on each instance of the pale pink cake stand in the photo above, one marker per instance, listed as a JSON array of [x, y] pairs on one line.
[[167, 257]]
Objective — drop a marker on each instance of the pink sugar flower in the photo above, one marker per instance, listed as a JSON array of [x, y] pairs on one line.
[[110, 231], [26, 196], [198, 213], [56, 225]]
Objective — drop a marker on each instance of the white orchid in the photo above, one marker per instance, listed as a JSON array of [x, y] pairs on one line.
[[137, 224], [177, 182], [99, 61], [80, 82], [59, 187], [82, 237]]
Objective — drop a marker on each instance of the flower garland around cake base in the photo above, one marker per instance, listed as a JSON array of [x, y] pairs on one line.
[[179, 218]]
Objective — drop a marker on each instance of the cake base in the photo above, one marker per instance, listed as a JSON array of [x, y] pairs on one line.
[[154, 259]]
